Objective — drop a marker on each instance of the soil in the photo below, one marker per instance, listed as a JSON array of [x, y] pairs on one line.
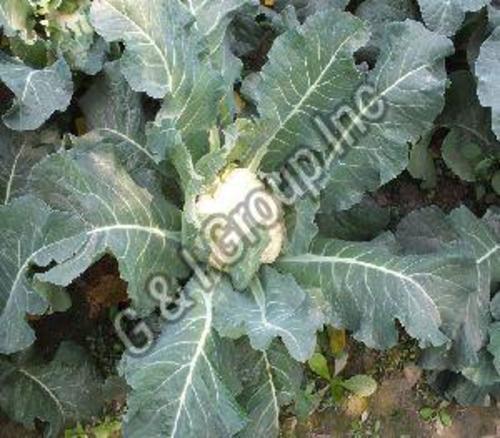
[[394, 410]]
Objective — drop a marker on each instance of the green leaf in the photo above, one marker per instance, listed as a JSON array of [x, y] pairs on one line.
[[495, 182], [159, 47], [363, 221], [270, 380], [421, 165], [483, 373], [461, 157], [445, 418], [319, 365], [178, 388], [60, 392], [140, 229], [113, 113], [446, 17], [306, 8], [191, 107], [39, 93], [296, 85], [274, 306], [494, 344], [427, 414], [379, 13], [430, 231], [116, 118], [494, 15], [468, 394], [212, 21], [495, 307], [381, 153], [71, 33], [301, 226], [368, 285], [487, 66], [361, 385], [213, 18], [463, 112], [18, 154]]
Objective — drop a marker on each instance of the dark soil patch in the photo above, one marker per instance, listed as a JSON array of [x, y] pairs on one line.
[[88, 322]]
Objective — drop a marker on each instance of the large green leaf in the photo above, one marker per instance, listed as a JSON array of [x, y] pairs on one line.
[[310, 72], [179, 388], [430, 230], [60, 392], [159, 47], [409, 81], [270, 380], [446, 17], [487, 67], [140, 229], [273, 306], [39, 93], [212, 21], [368, 286]]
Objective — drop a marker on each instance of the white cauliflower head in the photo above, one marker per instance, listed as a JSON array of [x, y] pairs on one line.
[[236, 209]]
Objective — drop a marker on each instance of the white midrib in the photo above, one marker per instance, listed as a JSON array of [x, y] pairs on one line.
[[207, 296], [313, 258], [13, 173], [488, 254], [443, 15], [153, 43], [273, 390], [45, 388]]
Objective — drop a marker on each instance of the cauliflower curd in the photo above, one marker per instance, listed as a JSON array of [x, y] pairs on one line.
[[246, 207]]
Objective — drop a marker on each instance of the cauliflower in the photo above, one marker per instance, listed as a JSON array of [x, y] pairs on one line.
[[241, 206]]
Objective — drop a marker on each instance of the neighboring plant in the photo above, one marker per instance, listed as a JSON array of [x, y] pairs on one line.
[[360, 384], [109, 428], [160, 85], [439, 414]]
